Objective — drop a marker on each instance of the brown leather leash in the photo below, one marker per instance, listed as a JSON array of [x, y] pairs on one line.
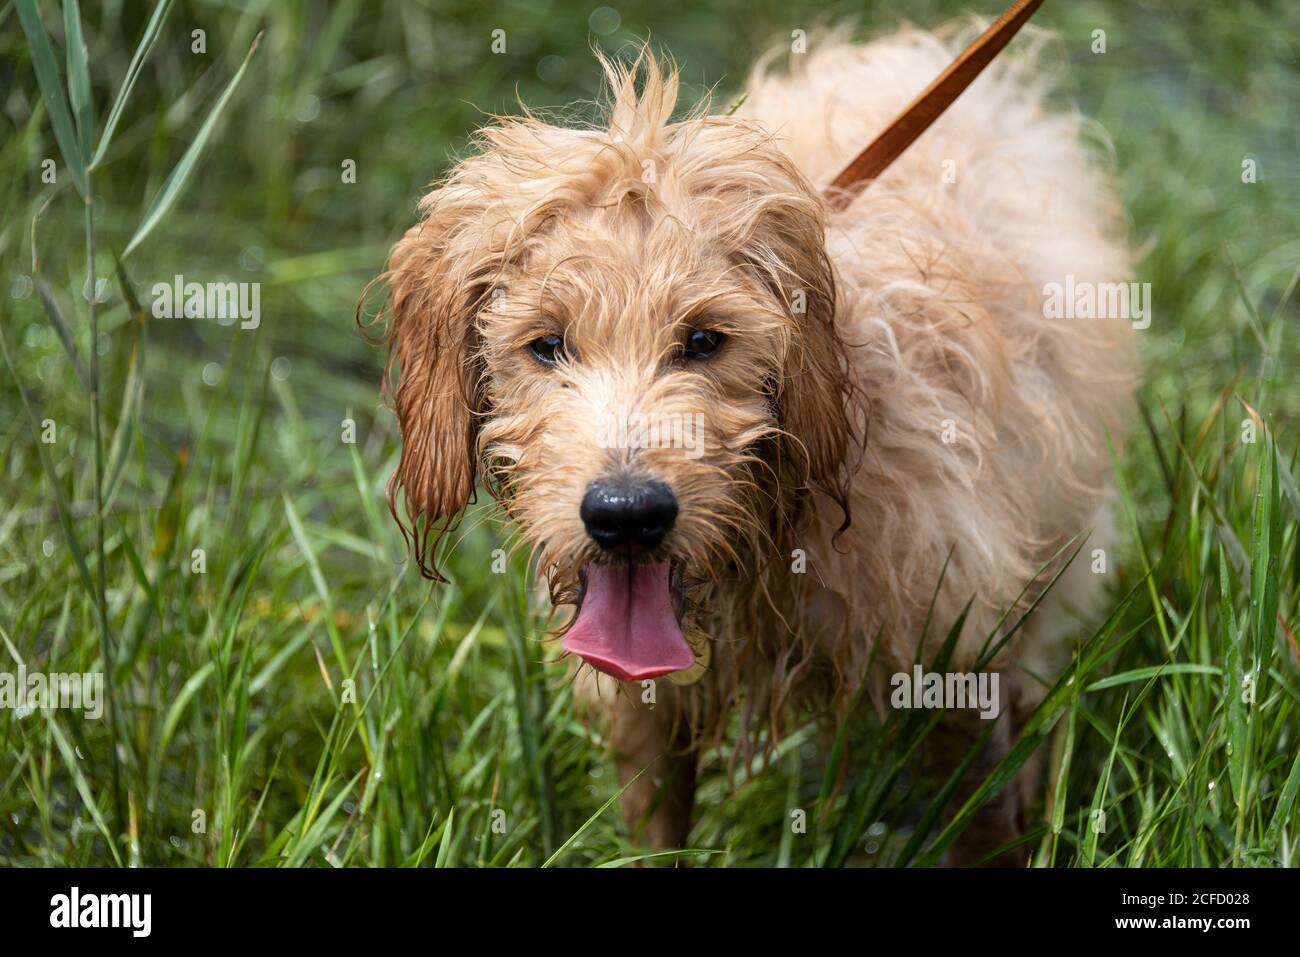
[[929, 106]]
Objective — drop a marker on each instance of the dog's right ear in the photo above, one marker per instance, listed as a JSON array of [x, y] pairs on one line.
[[433, 379]]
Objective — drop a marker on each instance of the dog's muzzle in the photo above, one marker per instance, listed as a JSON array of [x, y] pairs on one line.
[[629, 614]]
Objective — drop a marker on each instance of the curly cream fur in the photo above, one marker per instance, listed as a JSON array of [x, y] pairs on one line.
[[857, 339]]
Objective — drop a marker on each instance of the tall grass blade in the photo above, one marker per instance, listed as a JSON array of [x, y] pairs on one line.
[[47, 77], [132, 74], [54, 313], [78, 74], [572, 838], [175, 182]]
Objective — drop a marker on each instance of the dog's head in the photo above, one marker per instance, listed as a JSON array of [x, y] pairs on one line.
[[627, 334]]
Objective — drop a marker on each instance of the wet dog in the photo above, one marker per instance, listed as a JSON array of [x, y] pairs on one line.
[[752, 443]]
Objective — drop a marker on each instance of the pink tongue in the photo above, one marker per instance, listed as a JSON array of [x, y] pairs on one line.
[[626, 627]]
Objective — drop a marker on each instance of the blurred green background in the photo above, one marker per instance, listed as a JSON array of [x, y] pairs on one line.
[[230, 703]]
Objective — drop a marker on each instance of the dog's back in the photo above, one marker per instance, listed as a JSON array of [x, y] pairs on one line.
[[989, 411]]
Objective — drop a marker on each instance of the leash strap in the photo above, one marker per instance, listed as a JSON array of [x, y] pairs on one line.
[[929, 106]]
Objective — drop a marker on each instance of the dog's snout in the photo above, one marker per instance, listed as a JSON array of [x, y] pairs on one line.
[[628, 516]]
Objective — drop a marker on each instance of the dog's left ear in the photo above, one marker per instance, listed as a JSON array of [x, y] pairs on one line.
[[435, 282], [813, 391]]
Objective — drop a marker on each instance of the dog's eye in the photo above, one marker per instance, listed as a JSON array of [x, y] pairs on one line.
[[702, 343], [547, 349]]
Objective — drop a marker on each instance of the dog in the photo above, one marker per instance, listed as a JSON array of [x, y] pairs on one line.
[[762, 450]]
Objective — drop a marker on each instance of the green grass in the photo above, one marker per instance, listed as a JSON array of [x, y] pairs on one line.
[[309, 700]]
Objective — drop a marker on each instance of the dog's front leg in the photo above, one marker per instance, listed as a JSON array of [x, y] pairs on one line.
[[998, 822], [657, 806]]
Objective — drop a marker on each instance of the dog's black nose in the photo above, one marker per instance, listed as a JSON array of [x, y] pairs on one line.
[[628, 516]]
